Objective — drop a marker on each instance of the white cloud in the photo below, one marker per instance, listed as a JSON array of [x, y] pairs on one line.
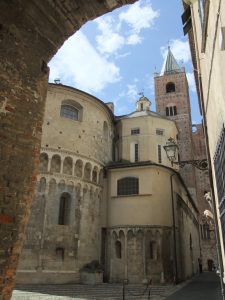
[[108, 41], [77, 63], [139, 16], [134, 39], [180, 50], [113, 36], [132, 92], [191, 81]]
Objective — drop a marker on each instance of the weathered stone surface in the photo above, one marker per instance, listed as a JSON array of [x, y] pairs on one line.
[[30, 34]]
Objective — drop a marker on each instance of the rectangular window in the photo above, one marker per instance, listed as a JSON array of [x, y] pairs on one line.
[[159, 154], [167, 111], [59, 254], [128, 186], [135, 131], [186, 20], [153, 250], [136, 154], [174, 110], [171, 110], [203, 8], [159, 131], [205, 232], [219, 165]]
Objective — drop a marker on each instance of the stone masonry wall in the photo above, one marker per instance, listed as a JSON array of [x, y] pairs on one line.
[[30, 34], [180, 99]]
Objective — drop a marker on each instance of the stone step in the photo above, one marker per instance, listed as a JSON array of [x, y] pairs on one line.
[[83, 292]]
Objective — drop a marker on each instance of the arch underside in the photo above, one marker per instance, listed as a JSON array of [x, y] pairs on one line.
[[23, 80]]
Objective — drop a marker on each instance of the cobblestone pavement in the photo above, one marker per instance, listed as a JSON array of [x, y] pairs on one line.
[[84, 292], [203, 287]]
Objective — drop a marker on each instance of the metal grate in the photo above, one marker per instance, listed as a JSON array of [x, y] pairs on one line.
[[69, 112], [159, 131], [128, 186], [159, 154], [136, 152], [135, 131]]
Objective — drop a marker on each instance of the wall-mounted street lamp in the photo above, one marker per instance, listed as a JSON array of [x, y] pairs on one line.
[[171, 149]]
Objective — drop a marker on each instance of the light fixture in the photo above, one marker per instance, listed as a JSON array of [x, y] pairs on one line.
[[171, 149]]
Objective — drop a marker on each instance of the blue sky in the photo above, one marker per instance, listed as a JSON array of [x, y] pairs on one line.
[[115, 56]]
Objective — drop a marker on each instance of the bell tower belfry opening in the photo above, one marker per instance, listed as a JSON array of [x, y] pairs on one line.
[[172, 101]]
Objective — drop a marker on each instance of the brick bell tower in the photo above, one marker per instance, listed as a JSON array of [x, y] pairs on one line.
[[172, 101]]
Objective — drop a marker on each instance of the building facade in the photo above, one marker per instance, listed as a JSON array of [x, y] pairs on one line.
[[204, 22], [172, 100], [107, 192]]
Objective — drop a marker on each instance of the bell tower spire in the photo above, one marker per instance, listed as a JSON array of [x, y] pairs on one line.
[[171, 65], [172, 101]]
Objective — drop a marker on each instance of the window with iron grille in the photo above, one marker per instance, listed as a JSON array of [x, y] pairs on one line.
[[219, 165], [135, 131], [69, 112], [136, 152], [205, 232], [159, 154], [128, 186], [159, 131]]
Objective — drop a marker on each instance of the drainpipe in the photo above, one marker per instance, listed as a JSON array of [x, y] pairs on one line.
[[174, 231]]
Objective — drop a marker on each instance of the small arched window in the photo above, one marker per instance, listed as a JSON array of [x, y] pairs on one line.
[[87, 171], [78, 168], [43, 167], [94, 175], [70, 112], [118, 249], [71, 109], [105, 131], [171, 111], [55, 164], [64, 209], [170, 87], [68, 165], [128, 186]]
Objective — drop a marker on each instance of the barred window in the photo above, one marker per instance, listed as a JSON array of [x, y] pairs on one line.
[[128, 186], [205, 232], [135, 131], [219, 165], [136, 152], [69, 112], [159, 131]]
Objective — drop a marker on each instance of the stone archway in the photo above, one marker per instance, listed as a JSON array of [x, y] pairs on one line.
[[31, 32]]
